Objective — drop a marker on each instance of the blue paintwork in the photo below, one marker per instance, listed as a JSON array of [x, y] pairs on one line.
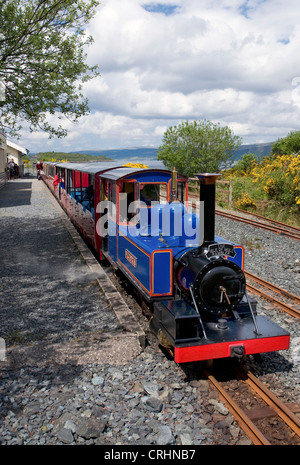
[[162, 272], [148, 248], [146, 254], [112, 239], [141, 270], [150, 176]]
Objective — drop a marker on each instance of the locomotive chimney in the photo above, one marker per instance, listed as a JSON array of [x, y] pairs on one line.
[[208, 196]]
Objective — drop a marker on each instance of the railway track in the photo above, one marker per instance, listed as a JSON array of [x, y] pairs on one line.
[[265, 419], [287, 307], [285, 230], [280, 228], [261, 414], [279, 223]]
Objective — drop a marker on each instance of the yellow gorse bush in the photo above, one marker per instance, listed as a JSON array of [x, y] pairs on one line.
[[245, 201], [135, 165], [280, 177]]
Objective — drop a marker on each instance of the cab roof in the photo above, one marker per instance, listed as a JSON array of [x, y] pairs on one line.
[[119, 173]]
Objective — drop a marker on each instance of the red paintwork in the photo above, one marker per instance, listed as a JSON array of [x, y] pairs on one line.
[[222, 350]]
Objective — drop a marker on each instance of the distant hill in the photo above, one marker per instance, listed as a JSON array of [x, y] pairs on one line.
[[69, 156], [146, 153], [129, 154], [137, 154], [260, 150]]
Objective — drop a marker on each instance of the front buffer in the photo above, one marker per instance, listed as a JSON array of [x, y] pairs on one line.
[[193, 339]]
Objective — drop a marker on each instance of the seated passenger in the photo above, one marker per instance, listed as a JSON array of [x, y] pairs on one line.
[[88, 194], [56, 180]]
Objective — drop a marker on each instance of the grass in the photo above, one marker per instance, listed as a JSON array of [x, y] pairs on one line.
[[263, 205], [70, 157]]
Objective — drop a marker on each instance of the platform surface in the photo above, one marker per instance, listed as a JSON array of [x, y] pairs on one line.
[[56, 303]]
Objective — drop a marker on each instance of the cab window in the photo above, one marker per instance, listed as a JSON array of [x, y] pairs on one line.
[[152, 193], [126, 197]]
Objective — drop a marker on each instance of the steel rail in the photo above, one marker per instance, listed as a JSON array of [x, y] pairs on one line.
[[272, 287], [293, 228], [246, 424], [277, 230], [273, 401], [292, 311]]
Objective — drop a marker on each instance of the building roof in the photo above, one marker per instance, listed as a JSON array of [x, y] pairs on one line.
[[15, 146]]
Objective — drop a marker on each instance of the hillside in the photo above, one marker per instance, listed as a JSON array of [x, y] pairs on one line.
[[146, 153], [70, 156], [137, 154], [132, 154], [260, 150]]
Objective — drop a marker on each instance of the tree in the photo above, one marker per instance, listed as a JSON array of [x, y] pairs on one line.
[[42, 62], [246, 163], [287, 145], [198, 146]]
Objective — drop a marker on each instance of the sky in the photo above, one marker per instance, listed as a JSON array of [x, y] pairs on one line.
[[232, 62]]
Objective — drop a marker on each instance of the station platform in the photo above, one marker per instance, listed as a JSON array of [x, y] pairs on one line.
[[57, 305]]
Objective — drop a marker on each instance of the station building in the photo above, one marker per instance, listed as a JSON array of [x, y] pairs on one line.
[[10, 151]]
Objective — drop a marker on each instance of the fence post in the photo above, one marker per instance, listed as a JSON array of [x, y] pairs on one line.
[[230, 194]]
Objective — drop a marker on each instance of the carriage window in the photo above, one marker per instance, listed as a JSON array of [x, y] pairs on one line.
[[69, 181], [110, 189], [88, 193], [80, 186], [63, 178], [51, 171]]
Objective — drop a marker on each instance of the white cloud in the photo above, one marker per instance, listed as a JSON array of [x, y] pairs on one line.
[[230, 61]]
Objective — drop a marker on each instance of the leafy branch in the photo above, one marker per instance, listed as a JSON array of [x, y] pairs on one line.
[[43, 61]]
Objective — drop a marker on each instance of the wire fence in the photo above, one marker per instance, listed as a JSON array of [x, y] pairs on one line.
[[30, 169], [223, 190]]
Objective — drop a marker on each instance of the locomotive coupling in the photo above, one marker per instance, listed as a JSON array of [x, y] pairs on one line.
[[237, 352]]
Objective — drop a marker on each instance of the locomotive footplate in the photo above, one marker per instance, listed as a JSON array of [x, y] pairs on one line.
[[193, 339]]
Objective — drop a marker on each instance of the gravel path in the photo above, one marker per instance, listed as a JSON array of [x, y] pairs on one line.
[[140, 399], [42, 274]]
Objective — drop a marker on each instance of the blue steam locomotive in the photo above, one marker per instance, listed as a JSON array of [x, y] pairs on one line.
[[140, 220]]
